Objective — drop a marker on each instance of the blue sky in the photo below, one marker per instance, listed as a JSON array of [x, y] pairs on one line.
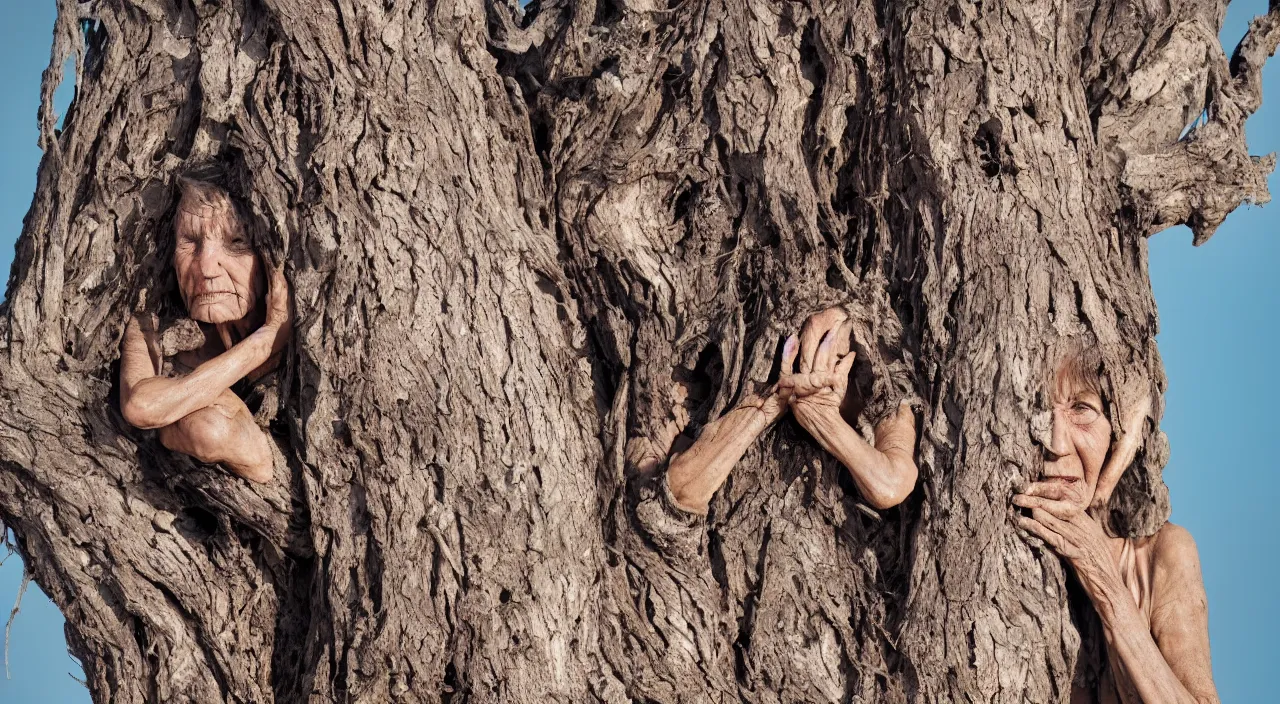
[[1218, 307]]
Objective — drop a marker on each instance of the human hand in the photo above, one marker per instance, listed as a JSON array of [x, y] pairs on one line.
[[817, 391], [770, 401], [279, 313], [1058, 517], [279, 319]]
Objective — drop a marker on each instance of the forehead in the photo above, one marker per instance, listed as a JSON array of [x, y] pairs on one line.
[[205, 213], [1074, 380], [1069, 387]]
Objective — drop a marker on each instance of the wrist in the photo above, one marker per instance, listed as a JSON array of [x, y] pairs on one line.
[[1108, 593], [827, 426], [759, 419], [263, 340], [820, 419], [750, 416]]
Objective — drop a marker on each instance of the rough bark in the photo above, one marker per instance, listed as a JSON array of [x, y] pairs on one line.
[[510, 232]]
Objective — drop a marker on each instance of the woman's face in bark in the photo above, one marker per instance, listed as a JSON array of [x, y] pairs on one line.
[[1081, 434], [219, 274]]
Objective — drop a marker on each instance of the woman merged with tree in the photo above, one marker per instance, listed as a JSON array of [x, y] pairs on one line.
[[1148, 591], [184, 390]]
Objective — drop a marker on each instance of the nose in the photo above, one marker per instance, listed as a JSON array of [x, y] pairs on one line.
[[1059, 438], [208, 261]]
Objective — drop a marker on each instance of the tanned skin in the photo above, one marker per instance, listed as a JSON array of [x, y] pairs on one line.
[[1161, 658], [221, 280], [885, 473]]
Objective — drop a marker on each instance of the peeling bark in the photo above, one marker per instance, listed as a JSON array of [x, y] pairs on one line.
[[510, 232]]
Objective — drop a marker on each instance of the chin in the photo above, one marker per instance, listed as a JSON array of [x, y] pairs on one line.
[[215, 314]]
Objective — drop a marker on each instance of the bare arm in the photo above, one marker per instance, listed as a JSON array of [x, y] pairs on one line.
[[695, 474], [148, 400], [886, 472], [1166, 660]]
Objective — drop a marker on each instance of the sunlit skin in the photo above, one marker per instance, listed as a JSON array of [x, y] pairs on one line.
[[1148, 593], [884, 473], [221, 280]]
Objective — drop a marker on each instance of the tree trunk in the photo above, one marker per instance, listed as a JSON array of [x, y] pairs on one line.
[[510, 232]]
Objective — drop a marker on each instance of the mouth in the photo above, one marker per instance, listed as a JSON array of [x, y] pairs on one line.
[[210, 296], [1065, 480]]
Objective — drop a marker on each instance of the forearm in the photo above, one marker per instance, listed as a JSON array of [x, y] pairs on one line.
[[1139, 666], [696, 474], [885, 474], [157, 401]]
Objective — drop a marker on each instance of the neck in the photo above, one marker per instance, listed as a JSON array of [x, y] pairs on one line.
[[232, 332]]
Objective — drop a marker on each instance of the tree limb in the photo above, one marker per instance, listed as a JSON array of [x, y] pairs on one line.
[[1203, 177]]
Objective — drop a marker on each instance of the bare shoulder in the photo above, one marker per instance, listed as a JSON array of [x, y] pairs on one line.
[[1175, 542], [1176, 560], [1180, 612]]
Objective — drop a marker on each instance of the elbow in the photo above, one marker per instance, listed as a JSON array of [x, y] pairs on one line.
[[688, 501], [141, 414], [900, 484]]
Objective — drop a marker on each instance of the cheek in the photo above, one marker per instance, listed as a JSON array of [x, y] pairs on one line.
[[1093, 446], [182, 264], [243, 270]]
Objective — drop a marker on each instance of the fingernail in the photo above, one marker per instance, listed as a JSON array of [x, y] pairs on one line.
[[790, 345]]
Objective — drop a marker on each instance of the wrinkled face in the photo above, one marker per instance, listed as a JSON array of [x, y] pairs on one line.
[[218, 272], [1081, 435]]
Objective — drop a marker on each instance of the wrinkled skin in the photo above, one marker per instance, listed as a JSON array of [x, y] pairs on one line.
[[1148, 592], [221, 281], [884, 473], [219, 274]]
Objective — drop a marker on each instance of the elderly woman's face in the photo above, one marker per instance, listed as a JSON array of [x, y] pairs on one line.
[[1081, 435], [218, 272]]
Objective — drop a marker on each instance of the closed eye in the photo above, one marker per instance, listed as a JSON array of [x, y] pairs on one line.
[[1084, 413]]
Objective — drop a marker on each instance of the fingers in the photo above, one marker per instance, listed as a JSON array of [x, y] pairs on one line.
[[1069, 492], [1126, 448], [789, 350], [1057, 490], [825, 356], [1051, 529], [279, 312], [1049, 490], [783, 394], [800, 385], [815, 329], [845, 365], [1058, 525], [1065, 510], [844, 337], [1136, 417], [834, 346], [1041, 531], [224, 334]]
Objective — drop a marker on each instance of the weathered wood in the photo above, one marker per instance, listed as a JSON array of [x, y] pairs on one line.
[[509, 233]]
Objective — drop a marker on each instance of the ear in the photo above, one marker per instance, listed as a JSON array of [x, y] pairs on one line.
[[1135, 407]]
